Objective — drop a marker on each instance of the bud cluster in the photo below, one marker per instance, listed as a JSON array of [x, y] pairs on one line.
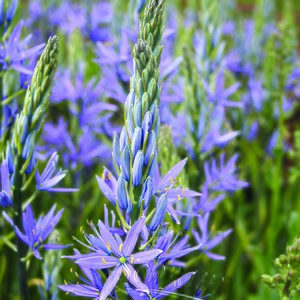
[[287, 281], [29, 122]]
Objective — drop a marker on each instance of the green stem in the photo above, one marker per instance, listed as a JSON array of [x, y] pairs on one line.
[[22, 249]]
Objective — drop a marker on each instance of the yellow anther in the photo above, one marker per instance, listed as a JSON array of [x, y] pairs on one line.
[[175, 283], [71, 270], [108, 245], [103, 176], [131, 259], [183, 190], [121, 247], [65, 281], [103, 260], [178, 197]]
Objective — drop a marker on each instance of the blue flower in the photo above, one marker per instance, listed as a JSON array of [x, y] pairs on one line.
[[171, 251], [13, 52], [204, 240], [36, 232], [121, 258], [91, 286], [224, 177], [152, 283], [69, 16], [219, 95], [49, 178], [206, 204]]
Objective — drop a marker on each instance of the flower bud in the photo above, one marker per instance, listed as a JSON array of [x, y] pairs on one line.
[[153, 165], [151, 147], [1, 11], [138, 113], [116, 150], [24, 128], [123, 139], [137, 172], [10, 159], [122, 197], [28, 147], [160, 213], [136, 143], [11, 11], [147, 123], [125, 163], [147, 192]]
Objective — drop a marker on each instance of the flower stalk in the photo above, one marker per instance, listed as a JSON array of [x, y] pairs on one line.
[[26, 130]]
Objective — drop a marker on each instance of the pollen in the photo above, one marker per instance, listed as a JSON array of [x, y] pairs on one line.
[[103, 260], [108, 246], [121, 247]]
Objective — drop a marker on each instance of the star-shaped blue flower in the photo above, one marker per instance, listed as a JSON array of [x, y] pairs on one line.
[[121, 258]]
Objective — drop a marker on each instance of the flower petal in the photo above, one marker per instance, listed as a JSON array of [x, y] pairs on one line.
[[133, 236], [172, 173], [145, 256], [173, 286], [97, 261], [110, 283], [134, 278]]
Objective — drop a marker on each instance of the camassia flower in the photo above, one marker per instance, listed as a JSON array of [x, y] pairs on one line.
[[121, 258], [36, 232], [49, 178], [152, 282], [91, 287], [13, 52], [207, 243]]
